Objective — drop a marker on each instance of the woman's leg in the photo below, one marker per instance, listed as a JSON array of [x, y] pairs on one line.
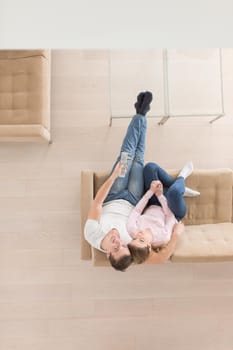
[[153, 171], [173, 189], [175, 199]]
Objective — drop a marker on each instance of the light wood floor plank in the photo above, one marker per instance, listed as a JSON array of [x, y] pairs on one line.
[[49, 298]]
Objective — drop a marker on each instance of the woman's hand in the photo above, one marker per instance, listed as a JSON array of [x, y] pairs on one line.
[[178, 228], [156, 186]]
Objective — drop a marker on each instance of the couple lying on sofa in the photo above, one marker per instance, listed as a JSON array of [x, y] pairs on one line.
[[132, 216]]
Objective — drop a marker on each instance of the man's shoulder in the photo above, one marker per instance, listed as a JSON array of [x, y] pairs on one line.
[[93, 233], [91, 225]]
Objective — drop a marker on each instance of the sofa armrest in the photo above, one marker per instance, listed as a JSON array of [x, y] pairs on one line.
[[27, 132], [86, 196]]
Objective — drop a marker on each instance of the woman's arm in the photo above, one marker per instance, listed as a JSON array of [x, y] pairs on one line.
[[158, 191], [96, 205], [143, 202], [136, 212], [170, 219], [166, 252]]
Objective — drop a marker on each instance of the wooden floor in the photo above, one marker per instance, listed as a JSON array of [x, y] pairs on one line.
[[49, 298]]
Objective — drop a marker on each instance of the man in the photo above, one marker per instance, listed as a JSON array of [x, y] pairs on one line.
[[105, 228]]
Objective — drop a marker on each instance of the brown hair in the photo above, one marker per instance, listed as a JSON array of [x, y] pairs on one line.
[[122, 263], [139, 254]]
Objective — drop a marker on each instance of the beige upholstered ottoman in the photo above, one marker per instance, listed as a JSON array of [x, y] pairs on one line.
[[208, 234], [24, 95]]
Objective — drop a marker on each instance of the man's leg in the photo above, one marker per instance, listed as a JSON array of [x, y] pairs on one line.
[[131, 186], [136, 127], [136, 180]]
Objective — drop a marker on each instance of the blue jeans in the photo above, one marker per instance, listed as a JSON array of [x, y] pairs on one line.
[[131, 187], [173, 189]]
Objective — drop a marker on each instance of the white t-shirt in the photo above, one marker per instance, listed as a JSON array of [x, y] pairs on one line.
[[114, 215]]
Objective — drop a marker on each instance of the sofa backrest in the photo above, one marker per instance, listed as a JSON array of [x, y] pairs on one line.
[[214, 205]]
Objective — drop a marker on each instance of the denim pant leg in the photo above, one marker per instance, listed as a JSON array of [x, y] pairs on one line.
[[153, 171], [134, 145], [175, 199], [173, 189], [136, 180]]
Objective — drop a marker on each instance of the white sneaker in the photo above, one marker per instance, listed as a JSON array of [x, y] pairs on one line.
[[190, 193], [187, 170]]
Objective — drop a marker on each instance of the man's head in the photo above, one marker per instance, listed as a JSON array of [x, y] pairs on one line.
[[117, 251], [122, 263]]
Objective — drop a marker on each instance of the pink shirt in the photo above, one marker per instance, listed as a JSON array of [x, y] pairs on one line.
[[160, 220]]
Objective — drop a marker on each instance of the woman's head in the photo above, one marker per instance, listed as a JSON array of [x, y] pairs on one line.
[[139, 254], [140, 246]]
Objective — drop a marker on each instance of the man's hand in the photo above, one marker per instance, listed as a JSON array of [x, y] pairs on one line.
[[156, 186], [117, 170], [96, 206]]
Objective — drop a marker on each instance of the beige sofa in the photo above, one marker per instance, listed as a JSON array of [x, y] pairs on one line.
[[208, 234], [25, 95]]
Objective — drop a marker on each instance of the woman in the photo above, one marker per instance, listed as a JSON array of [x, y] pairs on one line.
[[159, 223]]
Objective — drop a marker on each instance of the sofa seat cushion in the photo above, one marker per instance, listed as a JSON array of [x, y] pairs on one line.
[[203, 243]]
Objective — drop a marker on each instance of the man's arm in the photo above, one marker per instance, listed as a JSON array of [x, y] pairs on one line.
[[166, 252], [96, 205]]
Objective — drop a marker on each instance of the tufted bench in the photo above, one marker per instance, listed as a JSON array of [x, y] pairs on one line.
[[24, 95], [208, 234]]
